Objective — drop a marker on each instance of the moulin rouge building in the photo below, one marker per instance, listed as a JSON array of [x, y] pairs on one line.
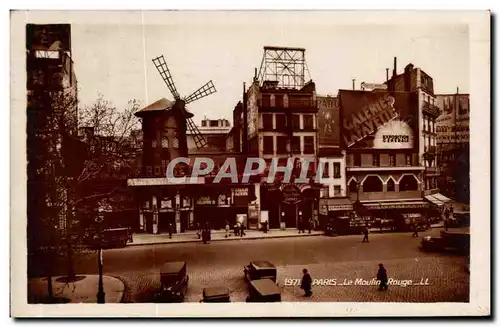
[[194, 202]]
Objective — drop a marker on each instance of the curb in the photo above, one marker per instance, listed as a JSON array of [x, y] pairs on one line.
[[223, 239], [122, 290]]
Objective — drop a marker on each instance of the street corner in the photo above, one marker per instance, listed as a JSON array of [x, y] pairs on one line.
[[82, 289]]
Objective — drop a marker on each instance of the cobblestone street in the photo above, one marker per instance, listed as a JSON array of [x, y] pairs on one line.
[[339, 259]]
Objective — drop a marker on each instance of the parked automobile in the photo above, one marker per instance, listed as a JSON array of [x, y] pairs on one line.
[[260, 270], [330, 229], [263, 290], [216, 294], [109, 237], [432, 244], [174, 282], [457, 244]]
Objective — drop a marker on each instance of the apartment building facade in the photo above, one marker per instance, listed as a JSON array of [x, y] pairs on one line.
[[381, 137], [282, 124]]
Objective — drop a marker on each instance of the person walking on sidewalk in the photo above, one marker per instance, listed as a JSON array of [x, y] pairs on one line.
[[237, 229], [170, 230], [382, 277], [242, 230], [227, 229], [264, 227], [365, 237], [301, 226], [309, 224], [306, 283]]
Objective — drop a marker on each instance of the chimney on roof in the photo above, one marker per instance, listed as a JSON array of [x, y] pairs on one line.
[[395, 69], [255, 73], [354, 84], [386, 74], [458, 90]]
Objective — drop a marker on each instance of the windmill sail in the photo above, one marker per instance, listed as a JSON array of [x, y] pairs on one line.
[[162, 67], [202, 92], [199, 141]]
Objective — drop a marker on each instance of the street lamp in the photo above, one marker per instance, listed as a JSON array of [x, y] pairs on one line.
[[101, 296], [358, 185]]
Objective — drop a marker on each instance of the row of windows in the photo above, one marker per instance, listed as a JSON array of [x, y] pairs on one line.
[[429, 125], [376, 159], [336, 170], [165, 143], [285, 101], [336, 191], [281, 121], [374, 184], [281, 145]]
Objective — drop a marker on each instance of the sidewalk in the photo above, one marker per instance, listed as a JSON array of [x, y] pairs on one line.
[[388, 230], [217, 235], [83, 290]]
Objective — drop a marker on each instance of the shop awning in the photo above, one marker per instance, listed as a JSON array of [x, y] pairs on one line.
[[397, 205], [362, 210], [336, 204], [437, 199]]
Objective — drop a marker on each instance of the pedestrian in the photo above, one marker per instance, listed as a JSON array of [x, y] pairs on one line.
[[415, 231], [264, 227], [238, 229], [302, 227], [382, 277], [170, 230], [227, 229], [198, 230], [309, 223], [306, 283], [242, 230], [365, 237]]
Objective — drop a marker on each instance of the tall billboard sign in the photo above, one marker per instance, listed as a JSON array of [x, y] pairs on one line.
[[452, 125], [253, 110], [328, 121], [378, 120]]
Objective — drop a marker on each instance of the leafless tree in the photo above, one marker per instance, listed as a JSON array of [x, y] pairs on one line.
[[78, 157]]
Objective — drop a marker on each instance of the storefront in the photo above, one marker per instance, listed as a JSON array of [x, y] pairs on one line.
[[337, 209], [398, 215], [220, 204], [289, 205]]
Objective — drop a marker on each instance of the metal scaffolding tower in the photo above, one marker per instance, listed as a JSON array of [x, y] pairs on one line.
[[287, 66]]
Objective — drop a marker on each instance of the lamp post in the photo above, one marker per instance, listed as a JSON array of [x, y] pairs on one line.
[[101, 296], [358, 185]]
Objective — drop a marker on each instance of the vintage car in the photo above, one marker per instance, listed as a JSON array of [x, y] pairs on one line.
[[263, 290], [108, 238], [216, 294], [260, 270], [331, 229], [174, 282], [432, 244]]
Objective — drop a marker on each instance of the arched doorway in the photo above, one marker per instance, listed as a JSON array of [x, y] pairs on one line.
[[290, 210]]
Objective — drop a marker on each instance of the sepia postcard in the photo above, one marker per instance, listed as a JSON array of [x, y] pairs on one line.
[[250, 163]]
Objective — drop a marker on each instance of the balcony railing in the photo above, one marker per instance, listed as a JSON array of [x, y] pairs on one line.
[[431, 109]]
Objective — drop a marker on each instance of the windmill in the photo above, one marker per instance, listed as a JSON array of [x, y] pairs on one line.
[[180, 103]]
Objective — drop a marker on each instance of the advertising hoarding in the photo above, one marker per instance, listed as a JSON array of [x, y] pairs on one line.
[[452, 125], [253, 111], [378, 119], [328, 121]]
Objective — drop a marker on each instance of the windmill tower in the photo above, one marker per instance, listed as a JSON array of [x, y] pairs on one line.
[[165, 123]]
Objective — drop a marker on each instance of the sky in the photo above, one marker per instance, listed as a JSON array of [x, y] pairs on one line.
[[115, 59]]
